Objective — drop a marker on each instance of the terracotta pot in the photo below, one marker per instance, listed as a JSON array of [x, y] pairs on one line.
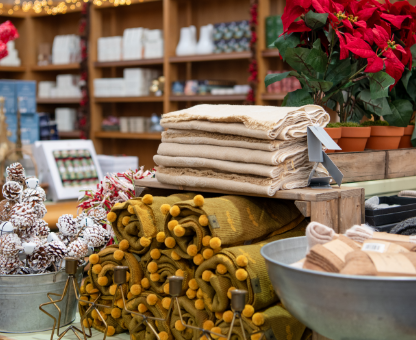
[[385, 137], [354, 139], [335, 134], [405, 142]]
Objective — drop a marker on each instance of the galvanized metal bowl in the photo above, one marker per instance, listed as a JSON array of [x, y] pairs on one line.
[[21, 295], [341, 307]]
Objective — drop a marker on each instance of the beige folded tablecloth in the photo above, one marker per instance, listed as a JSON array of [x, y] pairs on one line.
[[213, 138], [263, 122], [232, 154]]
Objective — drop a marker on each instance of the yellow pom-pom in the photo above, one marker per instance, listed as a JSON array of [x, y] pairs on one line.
[[172, 224], [91, 289], [155, 277], [179, 272], [218, 315], [151, 299], [94, 258], [179, 231], [82, 290], [199, 304], [98, 322], [127, 276], [111, 216], [103, 281], [147, 199], [256, 336], [205, 240], [166, 302], [125, 220], [203, 220], [192, 250], [94, 314], [248, 311], [111, 331], [208, 324], [130, 209], [163, 336], [179, 326], [207, 253], [113, 289], [142, 308], [170, 242], [120, 303], [193, 284], [164, 209], [198, 259], [118, 255], [155, 255], [175, 256], [191, 294], [229, 292], [85, 298], [123, 245], [199, 200], [87, 323], [258, 319], [242, 261], [116, 313], [175, 211], [166, 288], [215, 243], [129, 295], [93, 297], [241, 274], [228, 316], [152, 267], [221, 269], [96, 269], [136, 289], [145, 283], [216, 330], [199, 294], [160, 237], [145, 242], [216, 251], [206, 275]]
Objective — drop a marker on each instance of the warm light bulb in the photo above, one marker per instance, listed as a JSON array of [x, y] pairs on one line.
[[10, 11], [72, 7]]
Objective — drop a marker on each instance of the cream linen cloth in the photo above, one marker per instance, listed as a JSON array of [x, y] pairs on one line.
[[212, 138], [232, 154], [262, 122]]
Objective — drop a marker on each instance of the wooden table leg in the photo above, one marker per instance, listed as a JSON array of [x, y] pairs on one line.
[[326, 212], [350, 211]]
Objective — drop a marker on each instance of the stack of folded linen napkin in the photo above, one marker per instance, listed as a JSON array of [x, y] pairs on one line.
[[248, 149]]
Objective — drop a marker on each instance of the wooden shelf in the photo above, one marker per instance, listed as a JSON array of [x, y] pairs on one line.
[[12, 68], [272, 52], [211, 57], [58, 100], [129, 135], [273, 96], [128, 99], [70, 134], [208, 98], [56, 67], [133, 2], [125, 63]]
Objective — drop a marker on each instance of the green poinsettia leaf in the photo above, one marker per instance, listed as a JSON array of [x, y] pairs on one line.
[[406, 77], [285, 42], [379, 84], [297, 98], [318, 84], [411, 87], [274, 77], [379, 106], [413, 51], [296, 58], [337, 92], [339, 70], [315, 20], [317, 58], [402, 111]]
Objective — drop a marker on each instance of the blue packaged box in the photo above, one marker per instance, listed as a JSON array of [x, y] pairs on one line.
[[29, 127], [8, 91], [26, 95]]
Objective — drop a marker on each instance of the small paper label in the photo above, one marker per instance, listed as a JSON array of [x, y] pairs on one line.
[[391, 237], [338, 248], [392, 264], [383, 247], [377, 247]]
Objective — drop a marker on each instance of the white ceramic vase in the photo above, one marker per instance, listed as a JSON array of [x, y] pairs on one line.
[[187, 41], [206, 41]]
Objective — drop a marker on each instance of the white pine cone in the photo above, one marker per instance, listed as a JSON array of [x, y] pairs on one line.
[[66, 239], [57, 250], [28, 232], [67, 225], [41, 259], [97, 214], [12, 191], [96, 236], [6, 209], [35, 240], [10, 245], [10, 265], [40, 210], [23, 221], [42, 228], [78, 249], [33, 195], [16, 172]]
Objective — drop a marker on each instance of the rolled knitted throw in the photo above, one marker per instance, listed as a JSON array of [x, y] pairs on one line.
[[263, 122], [224, 221], [318, 233], [211, 138], [360, 233], [330, 257], [407, 193], [406, 227]]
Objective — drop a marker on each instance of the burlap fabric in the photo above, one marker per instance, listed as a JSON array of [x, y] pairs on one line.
[[146, 221], [239, 219], [191, 316]]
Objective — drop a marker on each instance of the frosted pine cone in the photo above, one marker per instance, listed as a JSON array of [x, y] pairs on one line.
[[97, 214], [10, 245], [10, 265], [28, 232], [42, 228], [57, 250], [96, 236], [16, 172], [67, 225], [41, 259], [23, 271], [35, 240], [33, 195], [66, 239], [22, 216], [12, 191], [6, 209], [78, 249], [40, 210]]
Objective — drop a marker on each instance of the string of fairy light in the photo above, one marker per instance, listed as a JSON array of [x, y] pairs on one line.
[[53, 8]]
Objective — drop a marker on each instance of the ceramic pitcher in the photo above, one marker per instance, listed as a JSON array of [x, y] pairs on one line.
[[206, 41], [187, 41]]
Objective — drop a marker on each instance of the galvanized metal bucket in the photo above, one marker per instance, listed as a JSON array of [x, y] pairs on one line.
[[341, 307], [21, 295]]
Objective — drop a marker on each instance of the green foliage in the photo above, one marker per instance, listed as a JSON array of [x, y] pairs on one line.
[[333, 125], [379, 84], [402, 111], [375, 123], [315, 20], [286, 42], [297, 98], [349, 124], [412, 123]]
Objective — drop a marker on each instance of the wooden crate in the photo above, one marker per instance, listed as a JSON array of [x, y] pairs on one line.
[[401, 163]]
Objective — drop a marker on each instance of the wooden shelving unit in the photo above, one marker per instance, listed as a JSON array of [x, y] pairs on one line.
[[56, 101], [70, 134], [210, 57], [273, 96], [124, 135], [12, 68], [56, 67], [270, 53], [208, 98], [128, 63], [145, 99]]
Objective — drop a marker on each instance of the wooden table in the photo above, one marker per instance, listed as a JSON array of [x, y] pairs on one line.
[[56, 210]]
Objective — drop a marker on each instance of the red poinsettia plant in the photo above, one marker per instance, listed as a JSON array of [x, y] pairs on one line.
[[351, 56], [7, 33]]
